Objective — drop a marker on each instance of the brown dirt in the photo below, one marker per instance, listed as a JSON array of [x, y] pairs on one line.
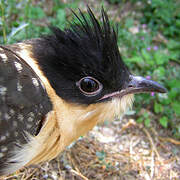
[[117, 150]]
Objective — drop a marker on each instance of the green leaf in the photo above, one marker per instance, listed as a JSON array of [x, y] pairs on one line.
[[172, 44], [60, 18], [129, 23], [178, 23], [176, 108], [160, 58], [147, 56], [158, 108], [139, 120], [164, 99], [16, 30], [61, 15], [147, 122], [173, 83], [36, 13], [135, 59], [173, 93], [159, 72], [174, 54], [146, 115], [164, 121]]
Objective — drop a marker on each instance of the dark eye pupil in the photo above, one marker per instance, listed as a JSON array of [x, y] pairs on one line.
[[89, 85]]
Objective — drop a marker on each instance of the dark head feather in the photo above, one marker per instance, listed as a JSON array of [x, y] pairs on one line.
[[87, 48]]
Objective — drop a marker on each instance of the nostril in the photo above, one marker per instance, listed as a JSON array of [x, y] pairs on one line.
[[131, 82]]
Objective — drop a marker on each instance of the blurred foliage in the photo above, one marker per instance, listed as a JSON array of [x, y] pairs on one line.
[[155, 52], [24, 19], [114, 1], [163, 16], [149, 40]]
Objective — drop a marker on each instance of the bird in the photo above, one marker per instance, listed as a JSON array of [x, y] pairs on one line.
[[56, 88]]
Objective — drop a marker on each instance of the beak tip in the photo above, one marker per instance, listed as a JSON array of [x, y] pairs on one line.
[[146, 85], [163, 90]]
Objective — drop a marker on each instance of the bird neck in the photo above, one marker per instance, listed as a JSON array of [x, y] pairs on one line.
[[67, 121]]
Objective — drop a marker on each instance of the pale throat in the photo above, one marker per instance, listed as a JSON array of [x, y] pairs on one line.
[[76, 120]]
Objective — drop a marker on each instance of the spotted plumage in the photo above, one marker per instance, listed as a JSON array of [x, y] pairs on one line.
[[58, 87], [23, 104]]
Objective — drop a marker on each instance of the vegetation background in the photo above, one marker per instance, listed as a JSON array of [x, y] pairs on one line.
[[149, 41]]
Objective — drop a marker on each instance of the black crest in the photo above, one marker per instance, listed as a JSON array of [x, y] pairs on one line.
[[87, 48]]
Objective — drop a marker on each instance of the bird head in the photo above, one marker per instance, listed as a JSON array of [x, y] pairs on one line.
[[85, 78], [84, 66]]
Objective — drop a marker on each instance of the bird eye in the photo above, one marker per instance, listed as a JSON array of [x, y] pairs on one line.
[[89, 86]]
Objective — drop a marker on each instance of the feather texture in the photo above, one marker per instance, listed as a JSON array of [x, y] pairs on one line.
[[87, 49]]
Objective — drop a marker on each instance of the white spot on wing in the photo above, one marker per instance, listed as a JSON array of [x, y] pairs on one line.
[[19, 86], [2, 138], [31, 114], [1, 155], [3, 90], [15, 124], [7, 116], [4, 57], [30, 119], [15, 133], [35, 82], [12, 112], [7, 134], [18, 66], [20, 117], [24, 153], [3, 149]]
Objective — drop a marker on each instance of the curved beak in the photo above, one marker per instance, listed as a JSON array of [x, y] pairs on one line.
[[137, 84]]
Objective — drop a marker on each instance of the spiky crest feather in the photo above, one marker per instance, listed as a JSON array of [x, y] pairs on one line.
[[85, 49]]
